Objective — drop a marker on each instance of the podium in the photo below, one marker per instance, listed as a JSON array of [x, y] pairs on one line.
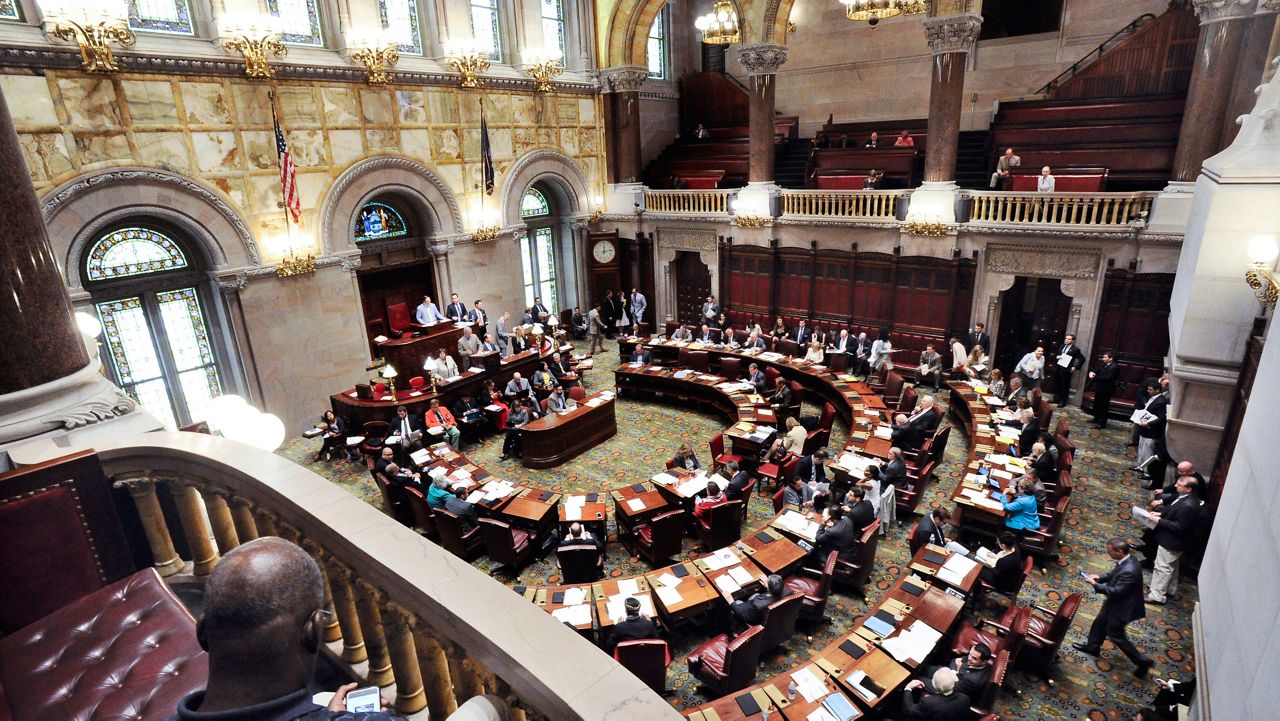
[[490, 361]]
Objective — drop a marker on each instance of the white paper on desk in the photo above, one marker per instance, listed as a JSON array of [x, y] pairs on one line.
[[664, 479], [669, 580], [436, 430], [635, 504], [629, 587], [574, 596], [821, 714], [494, 408], [914, 643], [721, 559], [615, 609], [999, 473], [741, 575], [475, 496], [420, 456], [354, 394], [578, 615], [594, 402], [957, 548], [669, 596], [809, 685], [997, 459], [392, 440], [884, 432], [727, 585], [572, 512], [693, 486], [955, 569], [855, 682]]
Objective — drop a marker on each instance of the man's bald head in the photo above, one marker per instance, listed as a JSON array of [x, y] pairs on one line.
[[264, 586]]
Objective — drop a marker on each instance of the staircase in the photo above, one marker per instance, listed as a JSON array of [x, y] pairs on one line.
[[789, 161], [973, 167]]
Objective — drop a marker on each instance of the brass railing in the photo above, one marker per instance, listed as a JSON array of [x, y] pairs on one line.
[[1093, 209], [688, 201], [842, 203], [407, 613]]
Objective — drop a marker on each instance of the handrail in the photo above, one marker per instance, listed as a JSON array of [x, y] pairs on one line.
[[1125, 31], [431, 624], [688, 201], [1092, 209], [867, 204]]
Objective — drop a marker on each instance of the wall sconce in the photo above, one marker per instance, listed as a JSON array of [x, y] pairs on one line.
[[1261, 275], [792, 27], [597, 215], [255, 37], [94, 26], [469, 59], [368, 48], [489, 227], [545, 65], [292, 265], [927, 227]]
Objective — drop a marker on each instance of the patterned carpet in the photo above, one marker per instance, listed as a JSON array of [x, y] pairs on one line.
[[1082, 687]]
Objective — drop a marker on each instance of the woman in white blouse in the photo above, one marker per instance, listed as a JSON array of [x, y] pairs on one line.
[[881, 351], [1045, 183], [815, 353]]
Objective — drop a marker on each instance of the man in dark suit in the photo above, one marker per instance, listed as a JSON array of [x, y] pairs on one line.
[[578, 535], [1122, 586], [560, 366], [633, 627], [738, 480], [930, 529], [757, 378], [859, 510], [1104, 388], [801, 335], [838, 535], [979, 336], [744, 614], [611, 311], [1042, 464], [812, 468], [894, 472], [455, 311], [1062, 375], [466, 512], [1030, 433], [641, 355], [781, 396], [947, 704], [910, 431], [540, 311], [973, 670], [404, 424], [387, 458], [480, 317], [1175, 534]]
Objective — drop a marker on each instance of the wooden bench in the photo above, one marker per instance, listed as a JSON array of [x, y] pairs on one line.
[[702, 179], [901, 166], [1066, 180]]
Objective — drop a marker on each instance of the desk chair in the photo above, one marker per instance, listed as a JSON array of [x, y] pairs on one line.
[[578, 393], [983, 588], [393, 502], [814, 587], [659, 539], [1046, 633], [782, 473], [579, 562], [718, 456], [508, 546], [463, 545], [725, 665], [424, 517], [856, 572], [731, 368], [398, 319], [417, 383], [374, 432], [778, 503], [647, 659], [780, 621], [1008, 636], [722, 526]]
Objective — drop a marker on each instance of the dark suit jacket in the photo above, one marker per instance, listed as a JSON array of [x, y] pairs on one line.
[[1122, 586], [800, 335], [630, 629], [1176, 528], [455, 312], [894, 472], [781, 396], [760, 381], [415, 423], [466, 512], [805, 470], [1043, 468], [1104, 381], [559, 369], [860, 516], [1029, 437], [644, 357], [982, 339], [912, 433], [930, 531], [1160, 409], [932, 707], [1077, 358], [840, 537], [751, 611], [971, 679], [736, 484], [1006, 574]]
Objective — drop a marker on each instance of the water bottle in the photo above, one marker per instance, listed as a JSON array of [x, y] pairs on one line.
[[767, 711], [791, 690]]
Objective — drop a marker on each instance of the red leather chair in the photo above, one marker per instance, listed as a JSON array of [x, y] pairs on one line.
[[996, 635], [1043, 543], [780, 475], [725, 665], [778, 503], [916, 540], [579, 562], [721, 525], [699, 360], [986, 699], [374, 432], [424, 518], [647, 658], [857, 571], [814, 586], [820, 436], [718, 456], [1046, 633], [907, 403], [893, 385], [780, 621], [731, 368], [984, 588], [417, 383], [661, 538], [463, 545], [398, 319], [394, 501], [508, 546], [578, 393], [670, 464]]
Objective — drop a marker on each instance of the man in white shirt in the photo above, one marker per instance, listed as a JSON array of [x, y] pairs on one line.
[[638, 306], [427, 312], [479, 317]]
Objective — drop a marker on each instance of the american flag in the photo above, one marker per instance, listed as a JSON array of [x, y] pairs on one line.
[[486, 153], [288, 173]]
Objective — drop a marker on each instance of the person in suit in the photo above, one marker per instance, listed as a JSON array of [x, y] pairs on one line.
[[1004, 574], [384, 459], [684, 459], [1151, 430], [540, 311], [873, 141], [1104, 388], [947, 704], [781, 396], [578, 323], [797, 493], [738, 480], [1062, 375], [518, 387], [973, 670], [710, 310], [754, 342], [468, 345], [469, 412], [631, 628], [466, 512], [757, 378], [812, 470], [561, 368], [519, 340], [682, 333], [872, 181], [837, 534], [814, 353], [401, 478], [641, 355], [1004, 166], [1122, 586], [443, 365], [1042, 464], [503, 329], [840, 343], [334, 437], [750, 612], [980, 336], [706, 335], [801, 334], [638, 306], [455, 311], [930, 369], [578, 535], [1030, 433], [405, 424], [930, 528], [595, 329], [427, 312], [480, 317], [1175, 534], [519, 415], [859, 509], [790, 442], [440, 417], [557, 401], [702, 506], [860, 365], [910, 431], [894, 472], [488, 346], [612, 311]]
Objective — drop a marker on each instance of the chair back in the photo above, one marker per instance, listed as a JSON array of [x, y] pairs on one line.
[[741, 659], [839, 362], [1066, 461], [987, 697], [819, 607], [450, 528], [916, 540], [647, 659], [543, 402], [417, 383], [375, 430], [578, 393], [780, 621], [865, 556], [789, 468], [778, 503], [717, 446], [682, 357], [668, 534], [939, 445], [771, 375], [731, 368], [828, 417], [1062, 429], [423, 516], [398, 316], [671, 463], [745, 496], [1017, 633], [578, 562], [699, 361], [498, 543], [725, 521], [786, 346], [907, 403], [1061, 623], [893, 385]]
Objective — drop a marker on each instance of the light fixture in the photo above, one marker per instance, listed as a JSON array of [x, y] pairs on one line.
[[371, 50], [93, 25], [254, 36], [926, 228], [597, 215], [389, 373], [469, 59], [720, 26], [873, 11], [544, 66], [1261, 275], [489, 227], [293, 264], [233, 418]]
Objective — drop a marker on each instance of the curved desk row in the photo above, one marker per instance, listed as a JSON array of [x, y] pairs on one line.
[[557, 438]]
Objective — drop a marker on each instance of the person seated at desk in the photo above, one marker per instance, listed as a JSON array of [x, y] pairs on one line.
[[947, 704], [738, 480], [798, 493], [1030, 433], [706, 336], [488, 346], [815, 353], [439, 492], [1004, 574], [904, 140], [406, 425], [682, 333], [930, 368], [440, 417], [561, 368], [631, 628], [996, 385], [443, 366], [496, 400], [557, 402], [1021, 514], [894, 472], [511, 445], [401, 478], [721, 322], [456, 311], [976, 364], [386, 458], [860, 365], [458, 505], [684, 460], [1042, 465], [578, 323], [757, 378], [729, 337], [334, 438], [519, 341], [543, 378], [812, 470], [748, 613], [859, 509], [873, 141], [841, 343], [930, 530], [427, 312], [873, 179], [801, 334], [754, 342], [703, 505], [909, 432], [790, 442], [470, 415], [518, 387], [871, 484], [973, 670], [781, 396], [836, 534], [468, 345], [578, 535], [641, 355], [779, 330]]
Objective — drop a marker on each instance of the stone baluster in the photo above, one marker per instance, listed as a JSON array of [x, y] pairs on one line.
[[466, 682], [367, 598], [266, 522], [242, 515], [194, 526], [224, 526], [344, 606], [435, 670], [332, 631], [142, 489], [398, 623]]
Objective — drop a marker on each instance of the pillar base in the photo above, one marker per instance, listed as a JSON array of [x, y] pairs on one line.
[[934, 202], [1171, 208]]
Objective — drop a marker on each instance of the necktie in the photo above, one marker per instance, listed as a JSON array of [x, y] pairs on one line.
[[438, 418], [404, 428]]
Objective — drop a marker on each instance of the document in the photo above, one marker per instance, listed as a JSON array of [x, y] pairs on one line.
[[664, 479], [821, 714], [884, 432], [1142, 416], [635, 505], [723, 558], [741, 575], [809, 685], [668, 595], [629, 587], [1064, 361], [915, 643], [727, 585], [575, 596], [577, 615], [668, 580], [955, 569], [1143, 516]]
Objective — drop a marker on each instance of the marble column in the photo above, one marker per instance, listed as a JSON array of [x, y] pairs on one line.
[[1222, 32], [623, 83], [951, 39], [762, 62], [1254, 56]]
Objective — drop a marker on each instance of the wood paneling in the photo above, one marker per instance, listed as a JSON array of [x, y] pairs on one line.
[[1156, 59]]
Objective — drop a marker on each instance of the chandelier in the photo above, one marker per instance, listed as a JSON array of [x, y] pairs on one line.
[[873, 11], [720, 26]]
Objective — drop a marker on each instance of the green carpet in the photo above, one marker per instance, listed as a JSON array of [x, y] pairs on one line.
[[1083, 687]]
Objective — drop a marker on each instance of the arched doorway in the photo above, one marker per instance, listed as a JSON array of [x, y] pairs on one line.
[[148, 286], [1033, 311], [392, 230]]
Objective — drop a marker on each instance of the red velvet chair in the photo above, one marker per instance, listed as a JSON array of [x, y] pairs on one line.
[[508, 546], [659, 539], [778, 503], [907, 403], [647, 658], [725, 665], [463, 545], [780, 475], [997, 635], [815, 586], [721, 525], [417, 383], [398, 318], [780, 621], [578, 393], [718, 456], [394, 501], [1046, 633], [424, 518]]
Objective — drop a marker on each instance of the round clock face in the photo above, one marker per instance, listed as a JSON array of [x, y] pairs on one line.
[[603, 251]]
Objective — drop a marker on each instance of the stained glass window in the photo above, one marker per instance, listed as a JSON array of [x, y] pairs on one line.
[[299, 21], [163, 16], [378, 221], [133, 353], [657, 48], [553, 25], [133, 251], [400, 24], [485, 28], [192, 352], [9, 10], [533, 204]]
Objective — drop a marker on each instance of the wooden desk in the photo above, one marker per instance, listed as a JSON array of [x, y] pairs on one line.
[[697, 594], [798, 709], [604, 590], [407, 353], [653, 502], [546, 598], [594, 515], [970, 578], [531, 507], [726, 708], [774, 556], [558, 437], [713, 576], [875, 663]]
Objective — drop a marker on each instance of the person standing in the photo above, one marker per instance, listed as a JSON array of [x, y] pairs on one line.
[[1031, 369], [981, 337], [595, 328], [455, 311], [479, 317], [610, 311], [638, 306], [1104, 387], [1151, 428], [1122, 586], [1062, 374], [468, 345], [710, 310], [1175, 534]]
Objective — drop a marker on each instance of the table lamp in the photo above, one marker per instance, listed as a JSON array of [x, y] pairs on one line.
[[389, 372]]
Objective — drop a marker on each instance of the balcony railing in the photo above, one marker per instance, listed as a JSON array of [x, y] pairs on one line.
[[688, 202], [1092, 209], [407, 613], [853, 204]]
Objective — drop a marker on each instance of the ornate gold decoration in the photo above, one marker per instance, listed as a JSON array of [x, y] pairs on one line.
[[469, 62], [720, 26], [792, 27], [596, 216], [255, 51], [1265, 285], [487, 233], [543, 72], [873, 11], [94, 41], [376, 61], [749, 221], [927, 229], [292, 265]]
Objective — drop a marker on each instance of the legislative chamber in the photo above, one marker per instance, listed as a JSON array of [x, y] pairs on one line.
[[610, 361]]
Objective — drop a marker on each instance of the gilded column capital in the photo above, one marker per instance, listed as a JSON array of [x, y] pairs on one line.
[[1215, 11], [762, 58], [953, 33], [624, 78]]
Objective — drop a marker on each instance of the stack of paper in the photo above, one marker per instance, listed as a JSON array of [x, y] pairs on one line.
[[955, 569], [635, 505], [809, 685], [420, 456], [573, 507], [720, 559], [884, 432], [668, 595], [574, 596], [914, 643], [694, 486], [629, 587], [664, 479], [576, 615], [727, 585], [616, 610], [668, 580], [741, 575]]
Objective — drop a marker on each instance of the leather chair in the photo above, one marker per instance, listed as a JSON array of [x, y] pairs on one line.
[[856, 572], [908, 495], [398, 319], [821, 436], [780, 621], [670, 464], [725, 665], [579, 563], [1063, 428], [1046, 633], [731, 368], [394, 501], [661, 538], [578, 393], [984, 588], [721, 526], [508, 546], [838, 362], [699, 360], [779, 474], [893, 385], [771, 376], [996, 635], [647, 659], [463, 545], [907, 402], [682, 357], [718, 456], [1043, 543], [374, 432], [778, 503], [986, 699], [424, 517], [745, 496], [786, 347], [814, 586]]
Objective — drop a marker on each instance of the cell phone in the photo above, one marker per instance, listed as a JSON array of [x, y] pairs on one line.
[[368, 699], [1084, 575]]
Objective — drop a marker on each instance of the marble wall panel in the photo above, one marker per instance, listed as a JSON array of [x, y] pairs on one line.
[[569, 140], [264, 195], [451, 174], [205, 103], [164, 148], [500, 142], [497, 110], [381, 139], [588, 140], [218, 152], [345, 146], [411, 107], [416, 143], [567, 111], [299, 107], [471, 143], [46, 155], [90, 102], [376, 105], [340, 106], [311, 188], [307, 147], [587, 111], [234, 188], [150, 102], [36, 107], [524, 140], [442, 107], [524, 109], [253, 104], [259, 149], [469, 109], [446, 145], [101, 147]]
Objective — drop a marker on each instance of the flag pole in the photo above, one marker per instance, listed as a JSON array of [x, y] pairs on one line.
[[284, 203]]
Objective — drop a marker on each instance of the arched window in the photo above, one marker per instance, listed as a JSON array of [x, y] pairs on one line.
[[538, 250], [657, 48], [378, 221], [160, 350], [10, 10], [486, 29], [159, 16], [533, 204], [553, 25], [299, 21], [400, 24]]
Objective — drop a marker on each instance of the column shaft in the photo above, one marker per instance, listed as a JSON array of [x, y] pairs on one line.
[[410, 695], [194, 527], [246, 526], [224, 526], [1211, 81], [951, 38], [627, 118], [344, 606], [375, 639], [435, 671]]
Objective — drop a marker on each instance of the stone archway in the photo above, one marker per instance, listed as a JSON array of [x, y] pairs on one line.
[[553, 168], [374, 176], [670, 242]]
